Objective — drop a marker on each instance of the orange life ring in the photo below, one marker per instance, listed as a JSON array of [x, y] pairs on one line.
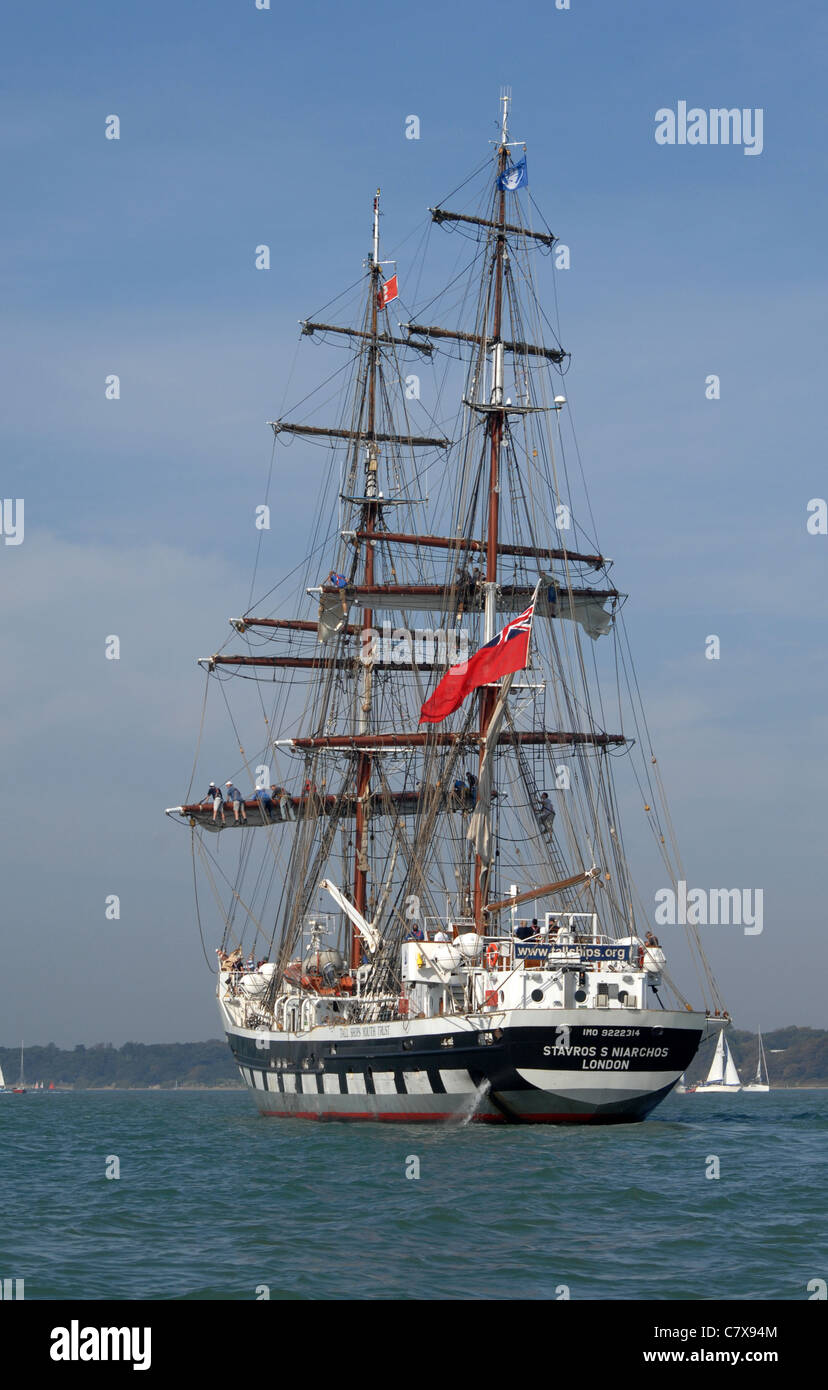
[[492, 955]]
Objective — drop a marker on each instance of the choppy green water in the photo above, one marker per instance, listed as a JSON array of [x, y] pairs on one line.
[[213, 1202]]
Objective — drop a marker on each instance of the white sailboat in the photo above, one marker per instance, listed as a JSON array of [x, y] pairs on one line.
[[761, 1082], [723, 1076], [3, 1089], [20, 1088]]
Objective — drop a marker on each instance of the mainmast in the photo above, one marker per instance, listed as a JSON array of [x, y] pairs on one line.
[[496, 415], [369, 517]]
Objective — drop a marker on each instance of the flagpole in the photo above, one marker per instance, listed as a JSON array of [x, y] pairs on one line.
[[532, 619]]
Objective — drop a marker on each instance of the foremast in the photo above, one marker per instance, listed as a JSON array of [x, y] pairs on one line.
[[488, 695]]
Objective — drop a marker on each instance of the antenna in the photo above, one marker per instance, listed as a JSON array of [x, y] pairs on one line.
[[376, 228], [506, 101]]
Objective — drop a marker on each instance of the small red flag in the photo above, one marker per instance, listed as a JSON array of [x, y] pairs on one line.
[[508, 651], [388, 291]]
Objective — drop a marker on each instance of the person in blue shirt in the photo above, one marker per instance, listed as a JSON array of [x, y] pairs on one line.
[[416, 933], [233, 797], [265, 800]]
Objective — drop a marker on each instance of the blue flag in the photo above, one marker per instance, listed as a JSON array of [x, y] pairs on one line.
[[514, 176]]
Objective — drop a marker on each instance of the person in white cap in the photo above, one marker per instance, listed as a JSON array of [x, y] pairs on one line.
[[214, 796]]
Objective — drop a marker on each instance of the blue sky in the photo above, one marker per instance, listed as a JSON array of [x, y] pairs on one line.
[[241, 127]]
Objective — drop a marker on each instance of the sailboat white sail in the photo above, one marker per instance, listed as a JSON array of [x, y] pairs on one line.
[[3, 1091], [761, 1082], [723, 1075]]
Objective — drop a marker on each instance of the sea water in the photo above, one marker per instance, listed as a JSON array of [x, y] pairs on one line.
[[191, 1195]]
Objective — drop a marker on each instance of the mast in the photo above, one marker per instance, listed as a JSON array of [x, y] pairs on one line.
[[488, 696], [369, 517]]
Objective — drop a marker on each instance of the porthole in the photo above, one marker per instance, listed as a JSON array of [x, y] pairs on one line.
[[537, 995]]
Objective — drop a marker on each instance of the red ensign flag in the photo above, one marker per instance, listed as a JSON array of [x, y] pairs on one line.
[[508, 651], [387, 292]]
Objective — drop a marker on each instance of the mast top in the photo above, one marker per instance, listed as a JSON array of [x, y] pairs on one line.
[[506, 101], [375, 255]]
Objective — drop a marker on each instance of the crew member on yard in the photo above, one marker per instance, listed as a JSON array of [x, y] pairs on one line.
[[214, 796], [286, 809], [234, 798]]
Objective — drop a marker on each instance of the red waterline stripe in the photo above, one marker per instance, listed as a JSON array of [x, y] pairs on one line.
[[357, 1115]]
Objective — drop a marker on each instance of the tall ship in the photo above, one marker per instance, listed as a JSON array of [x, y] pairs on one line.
[[426, 905]]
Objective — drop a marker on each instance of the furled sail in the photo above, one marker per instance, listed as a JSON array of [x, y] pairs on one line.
[[583, 606], [480, 824]]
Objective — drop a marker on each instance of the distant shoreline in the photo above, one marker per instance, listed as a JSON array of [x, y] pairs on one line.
[[239, 1088]]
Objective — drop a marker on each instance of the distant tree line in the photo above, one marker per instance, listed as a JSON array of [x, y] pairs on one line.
[[803, 1061], [134, 1064]]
